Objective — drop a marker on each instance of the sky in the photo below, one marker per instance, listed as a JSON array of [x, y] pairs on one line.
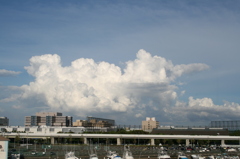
[[177, 61]]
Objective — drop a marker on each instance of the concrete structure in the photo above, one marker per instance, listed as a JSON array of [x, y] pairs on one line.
[[4, 121], [3, 147], [149, 124], [118, 137], [48, 119]]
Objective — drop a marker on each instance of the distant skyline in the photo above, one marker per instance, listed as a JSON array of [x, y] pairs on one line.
[[177, 61]]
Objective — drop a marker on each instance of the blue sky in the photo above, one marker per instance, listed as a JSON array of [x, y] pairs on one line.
[[187, 72]]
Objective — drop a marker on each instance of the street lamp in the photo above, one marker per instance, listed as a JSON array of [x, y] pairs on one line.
[[27, 139], [35, 142]]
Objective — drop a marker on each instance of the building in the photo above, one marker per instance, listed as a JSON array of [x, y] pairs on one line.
[[94, 122], [80, 123], [150, 124], [99, 122], [3, 147], [48, 119], [39, 129], [230, 125], [189, 131], [4, 121]]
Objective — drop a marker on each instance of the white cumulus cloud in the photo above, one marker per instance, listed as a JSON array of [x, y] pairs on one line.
[[146, 86], [204, 109], [4, 73]]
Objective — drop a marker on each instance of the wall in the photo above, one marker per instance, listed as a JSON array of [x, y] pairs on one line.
[[3, 149]]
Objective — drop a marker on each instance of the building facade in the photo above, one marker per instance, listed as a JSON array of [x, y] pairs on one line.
[[3, 147], [150, 123], [100, 122], [230, 125], [48, 119], [79, 123], [190, 131], [4, 121]]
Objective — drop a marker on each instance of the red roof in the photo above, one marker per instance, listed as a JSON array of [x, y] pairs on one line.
[[3, 138]]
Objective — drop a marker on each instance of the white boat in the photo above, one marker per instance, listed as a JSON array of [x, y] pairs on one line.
[[113, 155], [15, 156], [70, 155], [93, 153], [231, 157], [232, 150], [193, 156], [210, 157], [93, 156], [219, 157], [127, 154], [163, 155], [182, 156]]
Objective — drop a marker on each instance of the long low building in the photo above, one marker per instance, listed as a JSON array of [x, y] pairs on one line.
[[41, 129], [190, 131], [118, 137]]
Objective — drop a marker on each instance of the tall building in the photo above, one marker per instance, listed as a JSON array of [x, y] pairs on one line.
[[150, 123], [48, 119], [4, 121]]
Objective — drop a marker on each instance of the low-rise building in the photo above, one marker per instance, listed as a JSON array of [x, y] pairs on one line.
[[95, 122], [190, 131], [79, 123], [228, 124], [41, 130], [100, 122]]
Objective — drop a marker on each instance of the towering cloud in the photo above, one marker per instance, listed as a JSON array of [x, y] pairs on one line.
[[102, 87], [145, 87]]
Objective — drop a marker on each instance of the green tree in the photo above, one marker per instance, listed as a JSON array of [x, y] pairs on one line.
[[164, 141], [235, 133], [178, 141], [70, 139], [18, 139]]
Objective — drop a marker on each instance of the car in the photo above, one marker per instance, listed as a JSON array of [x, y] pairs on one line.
[[13, 150], [34, 153]]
